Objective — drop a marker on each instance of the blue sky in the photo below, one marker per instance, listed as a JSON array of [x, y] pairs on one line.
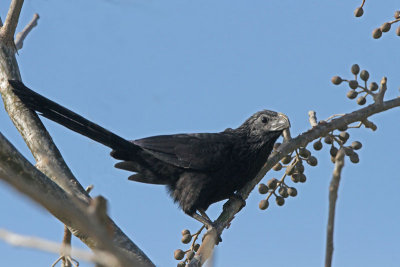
[[146, 67]]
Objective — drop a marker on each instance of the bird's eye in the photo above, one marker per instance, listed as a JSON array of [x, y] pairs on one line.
[[264, 119]]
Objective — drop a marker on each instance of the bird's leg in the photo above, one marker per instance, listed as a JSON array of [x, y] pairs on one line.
[[203, 214], [206, 221]]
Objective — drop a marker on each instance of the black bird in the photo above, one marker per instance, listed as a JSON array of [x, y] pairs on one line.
[[198, 169]]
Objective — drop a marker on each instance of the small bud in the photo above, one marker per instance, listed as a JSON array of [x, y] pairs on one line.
[[185, 232], [358, 12], [283, 192], [353, 84], [377, 33], [312, 161], [333, 151], [286, 159], [354, 158], [351, 94], [263, 205], [355, 69], [361, 100], [277, 167], [263, 189], [356, 145], [397, 14], [186, 238], [344, 136], [317, 145], [364, 75], [179, 254], [196, 247], [385, 27], [373, 86], [292, 191], [190, 254], [272, 183], [304, 152], [336, 80], [280, 201], [328, 140]]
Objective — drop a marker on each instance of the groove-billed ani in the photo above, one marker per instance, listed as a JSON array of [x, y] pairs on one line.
[[198, 169]]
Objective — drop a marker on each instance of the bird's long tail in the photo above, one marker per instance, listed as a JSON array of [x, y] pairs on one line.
[[70, 119]]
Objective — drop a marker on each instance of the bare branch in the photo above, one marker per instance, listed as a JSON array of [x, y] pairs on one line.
[[233, 206], [53, 247], [10, 24], [20, 37], [333, 193], [19, 173]]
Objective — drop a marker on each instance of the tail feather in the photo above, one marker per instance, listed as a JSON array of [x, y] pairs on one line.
[[69, 119]]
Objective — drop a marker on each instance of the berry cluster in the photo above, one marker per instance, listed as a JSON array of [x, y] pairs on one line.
[[356, 89], [385, 27], [294, 168], [340, 139], [179, 254]]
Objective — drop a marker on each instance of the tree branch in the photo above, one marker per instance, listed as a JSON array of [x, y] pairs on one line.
[[20, 37], [7, 31], [47, 156], [233, 206], [19, 173], [333, 193]]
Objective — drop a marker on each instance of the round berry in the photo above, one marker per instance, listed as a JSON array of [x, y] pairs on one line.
[[354, 158], [358, 12], [344, 136], [286, 159], [302, 178], [304, 152], [377, 33], [328, 140], [272, 183], [364, 75], [361, 100], [312, 161], [179, 254], [185, 232], [397, 14], [186, 238], [385, 27], [277, 167], [355, 69], [373, 86], [280, 201], [356, 145], [353, 84], [283, 192], [336, 80], [351, 94], [292, 191], [333, 151], [263, 189], [263, 205], [317, 145]]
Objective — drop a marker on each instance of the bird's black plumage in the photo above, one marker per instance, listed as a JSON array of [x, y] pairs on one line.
[[198, 169]]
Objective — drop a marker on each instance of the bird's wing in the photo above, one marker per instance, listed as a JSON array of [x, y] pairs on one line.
[[202, 152]]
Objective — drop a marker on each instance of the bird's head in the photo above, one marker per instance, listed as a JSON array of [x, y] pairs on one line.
[[265, 122]]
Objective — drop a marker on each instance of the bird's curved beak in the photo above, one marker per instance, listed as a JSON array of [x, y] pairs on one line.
[[280, 123]]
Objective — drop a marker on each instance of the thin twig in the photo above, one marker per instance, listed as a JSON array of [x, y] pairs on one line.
[[20, 37], [10, 24], [53, 247], [333, 193]]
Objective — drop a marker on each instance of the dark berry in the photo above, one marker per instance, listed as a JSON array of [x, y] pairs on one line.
[[373, 86], [353, 84], [179, 254], [317, 145], [328, 140], [336, 80], [277, 167], [304, 152], [312, 161], [263, 205], [354, 158], [344, 136], [292, 191], [361, 100], [333, 151], [351, 94], [263, 189], [185, 232], [272, 183], [302, 178], [283, 192], [286, 159], [355, 69], [356, 145], [364, 75], [358, 12], [377, 33], [186, 238], [280, 201], [385, 27]]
